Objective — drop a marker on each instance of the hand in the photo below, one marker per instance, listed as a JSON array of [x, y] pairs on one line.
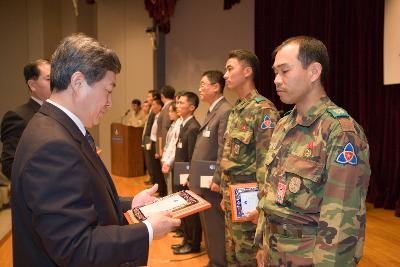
[[144, 197], [260, 256], [253, 216], [157, 156], [162, 223], [165, 168], [215, 187], [222, 205]]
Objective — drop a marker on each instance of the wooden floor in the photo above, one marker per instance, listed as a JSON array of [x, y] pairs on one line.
[[382, 246]]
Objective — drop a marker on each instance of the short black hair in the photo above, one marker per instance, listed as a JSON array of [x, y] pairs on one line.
[[215, 76], [136, 102], [249, 58], [192, 98], [32, 71], [156, 95], [159, 102], [173, 106], [79, 52], [168, 91], [310, 50]]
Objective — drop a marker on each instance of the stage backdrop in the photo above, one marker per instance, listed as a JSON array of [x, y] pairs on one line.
[[353, 34]]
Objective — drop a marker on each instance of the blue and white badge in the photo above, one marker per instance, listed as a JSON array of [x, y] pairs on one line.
[[267, 123], [347, 156]]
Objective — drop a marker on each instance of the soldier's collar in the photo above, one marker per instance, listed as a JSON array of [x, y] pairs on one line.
[[242, 103], [313, 113]]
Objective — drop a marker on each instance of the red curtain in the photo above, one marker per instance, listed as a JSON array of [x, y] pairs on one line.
[[353, 34]]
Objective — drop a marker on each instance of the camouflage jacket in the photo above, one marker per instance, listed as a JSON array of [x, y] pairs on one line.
[[323, 164], [246, 139]]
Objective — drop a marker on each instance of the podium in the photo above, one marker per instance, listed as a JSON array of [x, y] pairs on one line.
[[126, 151]]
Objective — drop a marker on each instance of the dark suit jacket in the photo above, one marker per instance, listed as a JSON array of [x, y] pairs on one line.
[[210, 148], [65, 209], [147, 128], [163, 124], [12, 126], [187, 137]]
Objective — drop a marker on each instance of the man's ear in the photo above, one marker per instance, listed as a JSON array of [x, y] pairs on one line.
[[192, 108], [77, 81], [31, 83], [248, 71], [315, 70]]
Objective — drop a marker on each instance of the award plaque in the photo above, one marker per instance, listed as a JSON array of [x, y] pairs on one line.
[[181, 204], [244, 199]]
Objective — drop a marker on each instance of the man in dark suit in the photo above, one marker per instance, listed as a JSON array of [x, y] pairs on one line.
[[148, 156], [163, 123], [65, 209], [209, 146], [191, 225], [37, 77]]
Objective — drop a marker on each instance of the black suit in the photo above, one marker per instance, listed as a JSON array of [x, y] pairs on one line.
[[65, 209], [184, 150], [148, 156], [12, 127]]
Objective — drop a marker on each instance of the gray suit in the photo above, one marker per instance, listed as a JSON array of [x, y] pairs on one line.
[[210, 149], [163, 124]]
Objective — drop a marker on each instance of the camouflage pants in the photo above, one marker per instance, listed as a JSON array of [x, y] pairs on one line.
[[239, 239], [289, 251]]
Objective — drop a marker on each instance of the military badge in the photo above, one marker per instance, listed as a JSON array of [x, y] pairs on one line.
[[280, 193], [308, 151], [235, 148], [294, 185], [267, 123], [347, 156]]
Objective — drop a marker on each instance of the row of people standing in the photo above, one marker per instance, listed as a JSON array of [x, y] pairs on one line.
[[311, 166]]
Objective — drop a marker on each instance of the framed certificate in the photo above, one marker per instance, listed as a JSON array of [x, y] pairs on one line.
[[181, 204], [244, 199]]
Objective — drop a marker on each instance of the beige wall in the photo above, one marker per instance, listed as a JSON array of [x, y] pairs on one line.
[[121, 25], [201, 36], [391, 43]]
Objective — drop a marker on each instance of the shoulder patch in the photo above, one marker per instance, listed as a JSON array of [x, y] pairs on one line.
[[347, 125], [259, 99], [338, 113]]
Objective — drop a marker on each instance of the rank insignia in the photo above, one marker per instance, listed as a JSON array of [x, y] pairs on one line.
[[294, 185], [236, 149], [308, 151], [347, 156], [267, 123]]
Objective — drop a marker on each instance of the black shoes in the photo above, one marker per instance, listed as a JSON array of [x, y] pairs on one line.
[[186, 249]]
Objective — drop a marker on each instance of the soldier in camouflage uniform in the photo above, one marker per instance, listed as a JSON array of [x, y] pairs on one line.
[[249, 129], [312, 210]]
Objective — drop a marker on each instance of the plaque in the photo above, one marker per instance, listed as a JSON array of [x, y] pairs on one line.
[[244, 199]]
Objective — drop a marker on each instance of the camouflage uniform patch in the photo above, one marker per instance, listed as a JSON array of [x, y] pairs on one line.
[[324, 159], [245, 146]]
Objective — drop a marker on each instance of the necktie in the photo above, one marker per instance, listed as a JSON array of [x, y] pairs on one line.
[[90, 140]]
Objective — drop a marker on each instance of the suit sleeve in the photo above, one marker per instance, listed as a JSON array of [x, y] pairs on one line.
[[221, 131], [12, 128], [341, 229], [192, 137], [57, 186]]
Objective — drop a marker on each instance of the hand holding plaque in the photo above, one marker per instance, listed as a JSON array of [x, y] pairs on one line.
[[244, 201]]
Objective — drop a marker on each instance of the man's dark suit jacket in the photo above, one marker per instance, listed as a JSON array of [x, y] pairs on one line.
[[163, 124], [12, 126], [187, 137], [65, 209]]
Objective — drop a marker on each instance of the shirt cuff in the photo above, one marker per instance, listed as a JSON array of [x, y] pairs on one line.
[[150, 230]]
